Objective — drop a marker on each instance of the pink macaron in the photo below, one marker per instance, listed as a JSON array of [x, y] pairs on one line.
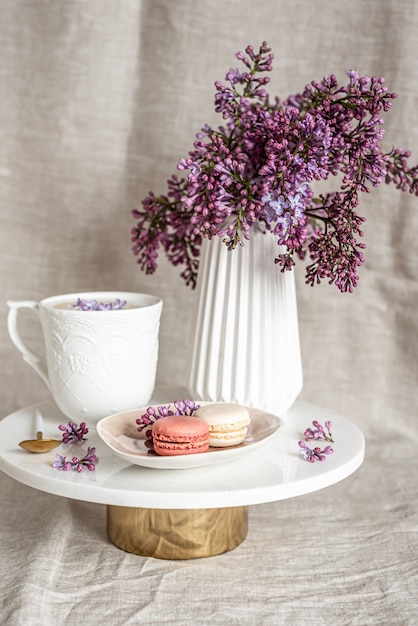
[[180, 434]]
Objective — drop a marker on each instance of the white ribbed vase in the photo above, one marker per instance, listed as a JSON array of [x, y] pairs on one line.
[[245, 336]]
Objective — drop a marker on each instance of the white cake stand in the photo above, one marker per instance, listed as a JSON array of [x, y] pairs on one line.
[[180, 514]]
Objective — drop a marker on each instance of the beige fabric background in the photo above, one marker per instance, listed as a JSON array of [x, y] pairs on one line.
[[99, 100]]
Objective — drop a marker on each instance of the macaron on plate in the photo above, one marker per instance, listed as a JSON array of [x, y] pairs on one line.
[[120, 433]]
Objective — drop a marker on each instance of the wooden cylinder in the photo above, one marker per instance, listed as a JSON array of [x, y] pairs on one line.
[[177, 533]]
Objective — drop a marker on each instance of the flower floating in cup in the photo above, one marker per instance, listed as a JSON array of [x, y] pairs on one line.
[[73, 433], [93, 305], [87, 462], [318, 432]]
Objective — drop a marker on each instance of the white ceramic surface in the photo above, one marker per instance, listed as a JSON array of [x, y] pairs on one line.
[[97, 362], [275, 471], [245, 336], [119, 432]]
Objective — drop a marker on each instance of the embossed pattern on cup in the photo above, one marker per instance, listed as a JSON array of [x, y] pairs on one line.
[[97, 362]]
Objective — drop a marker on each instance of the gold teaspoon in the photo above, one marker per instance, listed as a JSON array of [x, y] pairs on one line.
[[39, 444]]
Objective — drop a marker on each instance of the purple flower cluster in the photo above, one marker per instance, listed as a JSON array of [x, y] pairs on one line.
[[73, 433], [260, 165], [181, 407], [316, 454], [88, 461], [318, 432], [93, 305]]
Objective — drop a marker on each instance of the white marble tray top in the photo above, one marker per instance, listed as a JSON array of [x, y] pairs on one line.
[[275, 471]]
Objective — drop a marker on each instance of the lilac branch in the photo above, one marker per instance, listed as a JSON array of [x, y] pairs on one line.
[[316, 454], [184, 407], [89, 462], [73, 433], [259, 166]]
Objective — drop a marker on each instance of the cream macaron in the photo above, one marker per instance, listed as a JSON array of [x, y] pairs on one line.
[[228, 423]]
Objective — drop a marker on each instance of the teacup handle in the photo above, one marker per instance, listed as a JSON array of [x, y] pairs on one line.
[[31, 358]]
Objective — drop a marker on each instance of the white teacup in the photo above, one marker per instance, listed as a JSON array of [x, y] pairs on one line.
[[98, 362]]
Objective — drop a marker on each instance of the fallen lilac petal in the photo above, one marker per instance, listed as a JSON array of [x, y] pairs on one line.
[[62, 463]]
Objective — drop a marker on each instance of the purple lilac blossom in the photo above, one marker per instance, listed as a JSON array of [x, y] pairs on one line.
[[73, 433], [62, 463], [260, 166], [87, 462], [316, 454], [184, 407], [319, 432], [93, 305]]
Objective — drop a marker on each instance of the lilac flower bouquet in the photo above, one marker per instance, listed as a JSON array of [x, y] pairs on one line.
[[258, 170]]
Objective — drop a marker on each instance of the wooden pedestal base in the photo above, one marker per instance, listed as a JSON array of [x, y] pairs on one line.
[[177, 533]]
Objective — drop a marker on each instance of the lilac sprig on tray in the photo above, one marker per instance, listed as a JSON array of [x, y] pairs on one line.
[[93, 305], [316, 454], [73, 433], [152, 414], [318, 432], [87, 462]]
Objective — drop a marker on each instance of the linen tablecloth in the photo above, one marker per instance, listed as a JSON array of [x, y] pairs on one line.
[[100, 100]]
